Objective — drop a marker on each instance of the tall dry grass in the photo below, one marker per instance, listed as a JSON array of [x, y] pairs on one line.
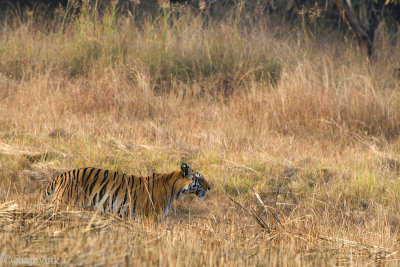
[[311, 125], [259, 84]]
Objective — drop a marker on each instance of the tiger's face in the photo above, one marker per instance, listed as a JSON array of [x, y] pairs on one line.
[[196, 183]]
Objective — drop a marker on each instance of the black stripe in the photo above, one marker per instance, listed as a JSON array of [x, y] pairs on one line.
[[96, 177], [116, 193], [83, 174], [105, 176], [94, 200], [169, 177], [93, 182], [77, 180], [102, 191], [82, 178], [66, 184], [63, 180], [125, 198], [114, 183], [50, 188], [119, 211], [84, 181], [127, 180], [118, 188], [105, 205], [57, 183], [69, 185], [133, 182], [63, 193], [173, 185], [152, 190], [166, 192], [134, 201], [123, 178], [53, 186]]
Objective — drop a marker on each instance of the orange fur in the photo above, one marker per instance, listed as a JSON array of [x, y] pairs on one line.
[[127, 195]]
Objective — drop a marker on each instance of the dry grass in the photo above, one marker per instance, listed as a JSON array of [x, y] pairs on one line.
[[313, 129]]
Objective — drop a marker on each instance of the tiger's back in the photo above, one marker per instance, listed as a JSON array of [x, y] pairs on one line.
[[127, 195]]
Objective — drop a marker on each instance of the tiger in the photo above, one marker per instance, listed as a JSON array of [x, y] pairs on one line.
[[127, 196]]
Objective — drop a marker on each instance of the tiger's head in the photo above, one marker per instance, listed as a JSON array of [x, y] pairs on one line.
[[196, 183]]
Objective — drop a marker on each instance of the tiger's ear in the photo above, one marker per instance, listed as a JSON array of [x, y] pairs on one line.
[[185, 169]]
